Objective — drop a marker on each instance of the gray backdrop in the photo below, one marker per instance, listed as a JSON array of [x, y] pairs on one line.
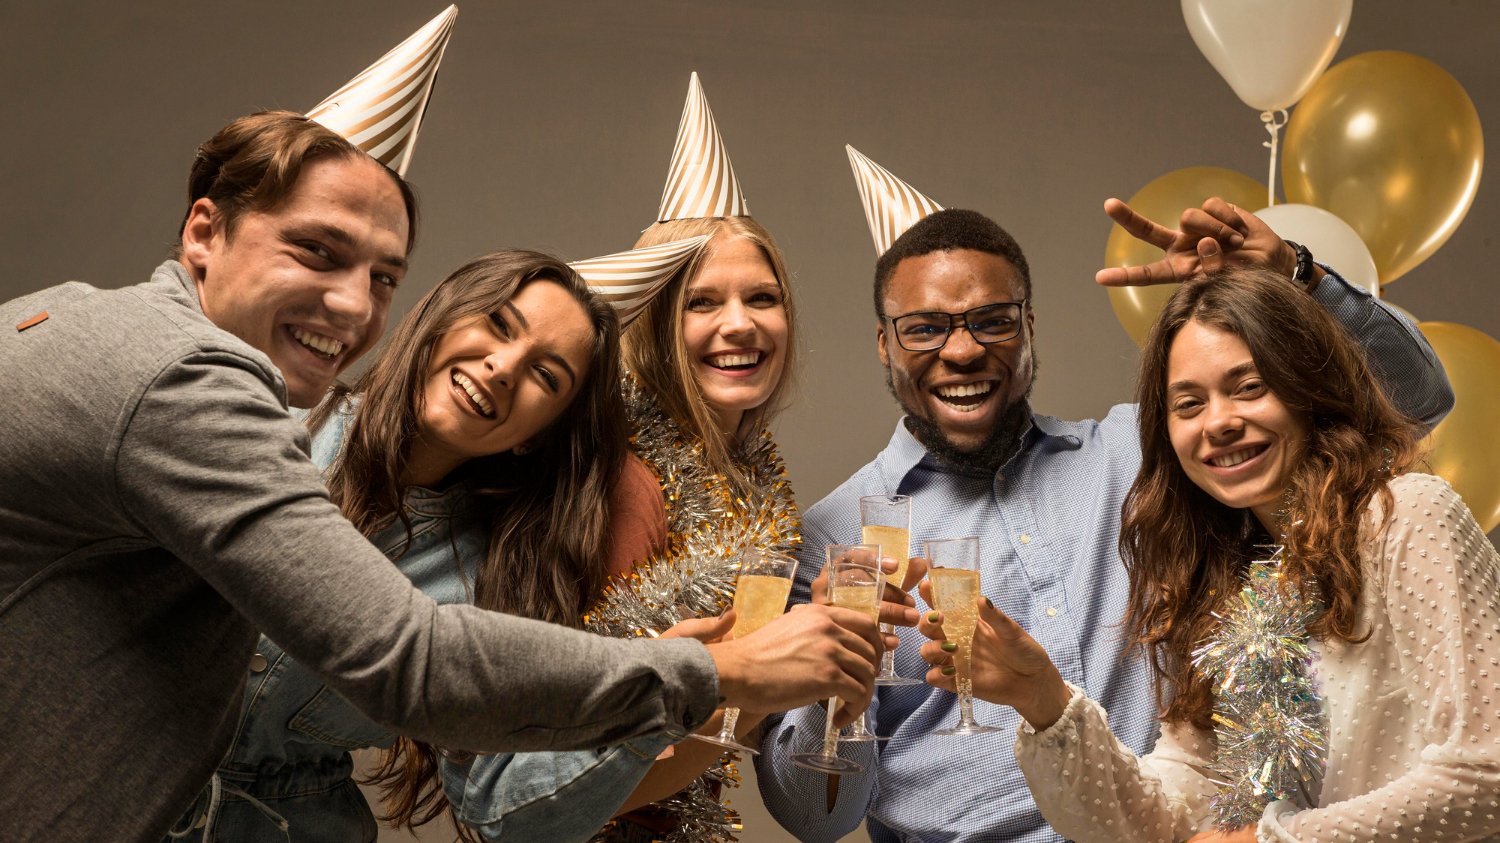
[[552, 126]]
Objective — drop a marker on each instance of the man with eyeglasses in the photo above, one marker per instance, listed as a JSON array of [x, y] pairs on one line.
[[954, 326]]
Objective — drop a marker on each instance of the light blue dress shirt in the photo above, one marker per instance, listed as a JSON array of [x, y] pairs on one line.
[[1049, 526]]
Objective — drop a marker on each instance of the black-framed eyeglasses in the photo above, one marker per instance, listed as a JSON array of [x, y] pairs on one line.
[[987, 324]]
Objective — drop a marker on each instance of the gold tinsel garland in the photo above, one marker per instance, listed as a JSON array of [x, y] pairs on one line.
[[708, 528]]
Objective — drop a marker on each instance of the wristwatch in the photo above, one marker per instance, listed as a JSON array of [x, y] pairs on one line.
[[1303, 273]]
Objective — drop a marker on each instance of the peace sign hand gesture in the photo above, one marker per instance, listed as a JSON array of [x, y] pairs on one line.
[[1210, 238]]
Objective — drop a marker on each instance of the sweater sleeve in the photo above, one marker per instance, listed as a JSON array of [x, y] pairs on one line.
[[638, 519], [1091, 787], [208, 465], [1440, 583]]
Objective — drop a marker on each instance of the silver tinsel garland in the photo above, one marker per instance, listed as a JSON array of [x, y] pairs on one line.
[[709, 527], [1268, 716]]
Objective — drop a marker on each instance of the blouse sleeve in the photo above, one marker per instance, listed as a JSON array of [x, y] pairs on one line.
[[1441, 591], [638, 523], [1091, 787]]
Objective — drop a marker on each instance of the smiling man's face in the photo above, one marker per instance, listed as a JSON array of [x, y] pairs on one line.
[[965, 401], [309, 282]]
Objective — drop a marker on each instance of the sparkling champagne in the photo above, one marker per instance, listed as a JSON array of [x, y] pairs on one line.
[[956, 592], [758, 600], [894, 542], [860, 598]]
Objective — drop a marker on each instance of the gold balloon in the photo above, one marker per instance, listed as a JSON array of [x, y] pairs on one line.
[[1163, 200], [1391, 144], [1462, 448]]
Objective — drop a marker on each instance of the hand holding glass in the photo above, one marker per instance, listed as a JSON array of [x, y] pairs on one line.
[[854, 582], [955, 591], [885, 520], [760, 595]]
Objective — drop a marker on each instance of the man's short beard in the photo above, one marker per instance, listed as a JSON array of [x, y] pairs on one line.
[[1003, 442]]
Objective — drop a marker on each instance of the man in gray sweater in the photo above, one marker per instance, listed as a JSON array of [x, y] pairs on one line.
[[158, 510]]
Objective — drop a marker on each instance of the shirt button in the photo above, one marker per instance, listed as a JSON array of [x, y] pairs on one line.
[[1051, 611], [1025, 538], [258, 663]]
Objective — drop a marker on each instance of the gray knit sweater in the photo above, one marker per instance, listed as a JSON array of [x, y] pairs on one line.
[[157, 510]]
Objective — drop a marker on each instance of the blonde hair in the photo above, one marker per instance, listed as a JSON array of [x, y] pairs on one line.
[[656, 352]]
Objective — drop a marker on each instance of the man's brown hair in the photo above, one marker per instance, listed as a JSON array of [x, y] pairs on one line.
[[255, 161]]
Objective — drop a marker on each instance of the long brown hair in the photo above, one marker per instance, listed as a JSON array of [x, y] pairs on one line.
[[1185, 552], [549, 521], [657, 355]]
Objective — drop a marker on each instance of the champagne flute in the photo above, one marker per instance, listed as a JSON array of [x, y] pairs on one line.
[[760, 594], [860, 588], [854, 582], [886, 520], [955, 590]]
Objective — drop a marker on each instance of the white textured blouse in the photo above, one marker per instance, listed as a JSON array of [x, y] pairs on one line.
[[1413, 711]]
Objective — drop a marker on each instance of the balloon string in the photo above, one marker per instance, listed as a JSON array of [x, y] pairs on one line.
[[1274, 120]]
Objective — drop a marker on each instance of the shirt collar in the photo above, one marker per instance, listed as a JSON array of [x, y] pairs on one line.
[[905, 453], [177, 284]]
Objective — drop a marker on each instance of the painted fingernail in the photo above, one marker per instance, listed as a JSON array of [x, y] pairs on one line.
[[950, 646], [932, 617], [988, 603], [948, 671]]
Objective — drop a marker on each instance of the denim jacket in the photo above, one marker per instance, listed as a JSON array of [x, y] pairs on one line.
[[292, 748], [291, 751], [554, 796]]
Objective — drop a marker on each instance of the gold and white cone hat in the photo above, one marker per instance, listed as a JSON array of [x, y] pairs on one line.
[[629, 280], [700, 182], [381, 109], [891, 205]]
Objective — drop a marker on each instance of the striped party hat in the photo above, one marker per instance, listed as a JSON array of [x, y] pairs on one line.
[[380, 110], [628, 280], [891, 205], [700, 182]]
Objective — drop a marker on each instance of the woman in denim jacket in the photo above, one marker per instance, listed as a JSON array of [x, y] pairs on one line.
[[487, 437]]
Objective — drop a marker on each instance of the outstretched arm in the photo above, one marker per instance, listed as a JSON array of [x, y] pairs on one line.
[[565, 796]]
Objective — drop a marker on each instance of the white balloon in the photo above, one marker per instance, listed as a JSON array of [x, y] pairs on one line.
[[1269, 51], [1330, 239]]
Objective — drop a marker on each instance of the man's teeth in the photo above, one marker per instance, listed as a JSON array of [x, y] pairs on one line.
[[964, 390], [725, 361], [473, 392], [327, 346], [1229, 460]]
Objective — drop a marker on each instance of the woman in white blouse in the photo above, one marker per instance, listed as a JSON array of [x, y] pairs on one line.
[[1260, 425]]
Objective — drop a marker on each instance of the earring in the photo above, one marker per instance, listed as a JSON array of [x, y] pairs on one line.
[[521, 450]]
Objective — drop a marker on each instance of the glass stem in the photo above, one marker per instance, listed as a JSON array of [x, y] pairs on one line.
[[731, 717], [888, 658], [830, 731], [965, 685], [857, 728]]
